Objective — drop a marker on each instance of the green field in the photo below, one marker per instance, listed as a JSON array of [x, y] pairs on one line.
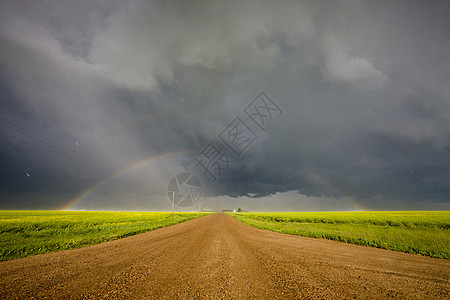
[[24, 233], [419, 232]]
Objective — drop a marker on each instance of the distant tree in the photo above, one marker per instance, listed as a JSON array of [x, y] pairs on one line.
[[239, 210]]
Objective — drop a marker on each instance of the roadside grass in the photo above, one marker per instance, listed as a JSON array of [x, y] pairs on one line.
[[418, 232], [24, 233]]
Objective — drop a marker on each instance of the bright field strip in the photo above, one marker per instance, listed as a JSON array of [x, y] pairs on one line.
[[419, 232], [24, 233]]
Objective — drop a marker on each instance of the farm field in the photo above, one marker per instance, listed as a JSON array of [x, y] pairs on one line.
[[218, 257], [418, 232], [24, 233]]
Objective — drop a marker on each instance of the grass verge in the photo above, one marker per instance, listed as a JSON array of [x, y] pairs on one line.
[[419, 232], [24, 233]]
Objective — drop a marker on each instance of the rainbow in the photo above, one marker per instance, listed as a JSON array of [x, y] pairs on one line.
[[84, 194], [333, 187]]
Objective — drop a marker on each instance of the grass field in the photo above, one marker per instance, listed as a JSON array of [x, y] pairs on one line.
[[419, 232], [24, 233]]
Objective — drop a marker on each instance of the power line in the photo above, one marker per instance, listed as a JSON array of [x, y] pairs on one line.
[[62, 151], [52, 151], [61, 154]]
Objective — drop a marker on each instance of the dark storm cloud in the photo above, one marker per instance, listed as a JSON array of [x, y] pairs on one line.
[[363, 86]]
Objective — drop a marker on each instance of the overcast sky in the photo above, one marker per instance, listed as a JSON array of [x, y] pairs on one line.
[[103, 102]]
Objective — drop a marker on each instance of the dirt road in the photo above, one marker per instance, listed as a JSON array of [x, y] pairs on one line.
[[218, 257]]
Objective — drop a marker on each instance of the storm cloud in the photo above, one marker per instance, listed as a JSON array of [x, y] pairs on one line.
[[103, 102]]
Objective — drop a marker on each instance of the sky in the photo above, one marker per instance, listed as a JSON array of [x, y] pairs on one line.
[[269, 105]]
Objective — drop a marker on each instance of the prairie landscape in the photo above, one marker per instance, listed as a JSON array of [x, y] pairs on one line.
[[252, 149], [24, 233], [419, 232], [217, 256]]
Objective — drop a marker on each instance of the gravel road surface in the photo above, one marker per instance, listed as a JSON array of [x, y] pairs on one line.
[[217, 257]]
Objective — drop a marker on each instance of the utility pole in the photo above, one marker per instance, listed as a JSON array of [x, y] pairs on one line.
[[173, 201]]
